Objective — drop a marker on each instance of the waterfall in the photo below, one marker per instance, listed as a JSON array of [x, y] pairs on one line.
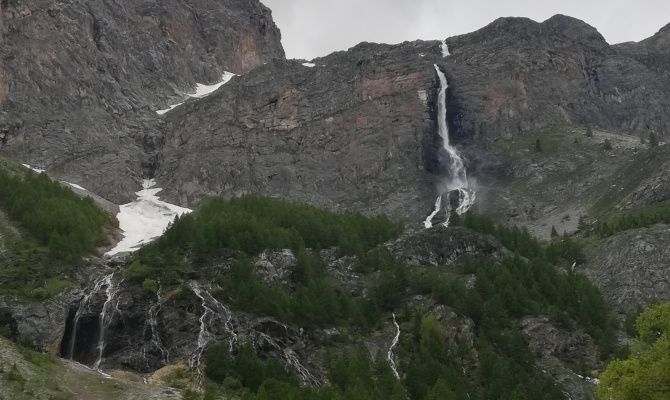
[[84, 306], [291, 360], [152, 326], [457, 181], [106, 315], [394, 343], [212, 310]]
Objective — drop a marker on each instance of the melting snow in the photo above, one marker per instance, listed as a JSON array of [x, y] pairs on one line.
[[39, 171], [205, 90], [74, 185], [309, 65], [172, 107], [201, 91], [144, 219]]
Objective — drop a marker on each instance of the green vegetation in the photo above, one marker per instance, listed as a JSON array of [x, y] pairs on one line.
[[249, 225], [528, 283], [559, 250], [645, 375], [68, 225], [44, 230], [638, 218]]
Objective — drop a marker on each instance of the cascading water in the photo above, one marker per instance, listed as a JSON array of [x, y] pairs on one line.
[[212, 310], [84, 307], [151, 327], [106, 315], [394, 343], [291, 360], [458, 178]]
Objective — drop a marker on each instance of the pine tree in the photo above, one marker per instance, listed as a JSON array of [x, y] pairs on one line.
[[554, 232], [653, 140], [538, 146]]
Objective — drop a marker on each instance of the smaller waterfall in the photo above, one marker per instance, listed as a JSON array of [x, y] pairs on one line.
[[84, 307], [106, 315], [457, 181], [291, 359], [394, 343], [151, 325], [213, 310]]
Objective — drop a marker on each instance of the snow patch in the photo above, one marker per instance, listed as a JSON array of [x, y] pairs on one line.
[[201, 91], [39, 171], [144, 219], [74, 185], [423, 96], [309, 65], [205, 90], [172, 107]]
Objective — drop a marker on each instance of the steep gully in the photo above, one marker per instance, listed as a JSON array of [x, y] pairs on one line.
[[455, 194]]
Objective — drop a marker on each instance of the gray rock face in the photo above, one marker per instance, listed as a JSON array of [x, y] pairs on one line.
[[40, 324], [517, 76], [354, 132], [440, 246], [80, 80], [568, 355], [631, 268]]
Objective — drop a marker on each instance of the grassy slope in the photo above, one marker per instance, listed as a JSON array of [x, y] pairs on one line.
[[572, 175], [25, 374]]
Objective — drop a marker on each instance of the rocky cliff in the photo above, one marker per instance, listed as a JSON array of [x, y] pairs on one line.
[[518, 76], [355, 131], [80, 80], [358, 130]]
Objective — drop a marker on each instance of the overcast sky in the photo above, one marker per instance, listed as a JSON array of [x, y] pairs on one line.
[[312, 28]]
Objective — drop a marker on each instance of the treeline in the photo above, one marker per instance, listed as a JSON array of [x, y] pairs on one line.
[[640, 218], [352, 375], [528, 283], [252, 224], [68, 225]]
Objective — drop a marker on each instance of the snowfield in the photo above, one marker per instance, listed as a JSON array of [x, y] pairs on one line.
[[201, 91], [144, 219]]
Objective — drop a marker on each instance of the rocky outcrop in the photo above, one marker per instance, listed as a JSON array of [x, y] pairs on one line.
[[40, 324], [440, 246], [567, 354], [80, 80], [631, 268]]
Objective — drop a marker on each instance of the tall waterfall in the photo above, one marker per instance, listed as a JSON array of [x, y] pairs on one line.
[[457, 181]]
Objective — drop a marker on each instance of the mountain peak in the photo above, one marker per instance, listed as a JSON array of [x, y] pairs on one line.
[[574, 28]]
